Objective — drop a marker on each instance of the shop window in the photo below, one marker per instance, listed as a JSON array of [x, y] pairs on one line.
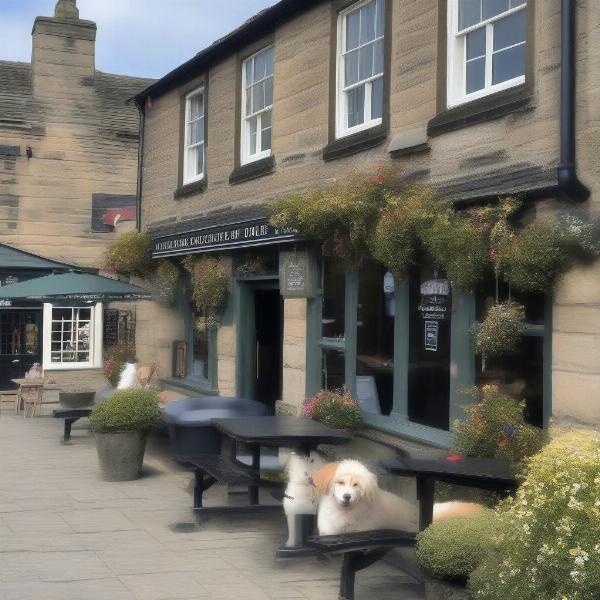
[[194, 154], [333, 376], [486, 47], [360, 67], [430, 308], [375, 339], [200, 350], [333, 284]]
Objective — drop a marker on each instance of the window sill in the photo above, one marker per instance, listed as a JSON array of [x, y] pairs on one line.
[[190, 188], [192, 385], [252, 170], [72, 367], [352, 144], [483, 109]]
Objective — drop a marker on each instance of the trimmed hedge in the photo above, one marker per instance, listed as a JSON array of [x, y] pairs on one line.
[[126, 410]]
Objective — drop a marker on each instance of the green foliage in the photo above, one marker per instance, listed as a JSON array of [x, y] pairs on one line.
[[130, 253], [396, 239], [495, 428], [165, 282], [451, 549], [460, 247], [341, 215], [501, 330], [126, 410], [335, 408], [549, 544], [210, 284], [116, 359]]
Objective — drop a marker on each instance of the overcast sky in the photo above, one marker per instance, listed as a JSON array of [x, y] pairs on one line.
[[147, 38]]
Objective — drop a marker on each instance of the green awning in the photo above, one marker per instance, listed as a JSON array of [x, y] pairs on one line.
[[73, 286]]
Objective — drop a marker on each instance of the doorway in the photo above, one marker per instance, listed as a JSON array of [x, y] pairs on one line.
[[268, 311], [20, 344]]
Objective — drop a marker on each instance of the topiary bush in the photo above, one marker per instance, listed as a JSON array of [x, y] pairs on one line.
[[126, 410], [334, 408], [451, 549], [495, 427], [130, 253], [548, 545]]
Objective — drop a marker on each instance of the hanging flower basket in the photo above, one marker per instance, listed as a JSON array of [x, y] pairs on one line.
[[165, 282], [130, 254], [501, 330]]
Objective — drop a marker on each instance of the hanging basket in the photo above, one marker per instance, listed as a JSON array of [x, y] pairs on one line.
[[501, 330]]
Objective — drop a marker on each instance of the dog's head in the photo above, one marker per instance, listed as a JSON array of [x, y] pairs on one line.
[[348, 482], [301, 469]]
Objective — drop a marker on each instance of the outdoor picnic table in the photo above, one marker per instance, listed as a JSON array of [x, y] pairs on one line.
[[484, 473]]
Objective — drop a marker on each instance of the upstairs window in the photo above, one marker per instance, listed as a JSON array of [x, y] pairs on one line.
[[193, 164], [360, 67], [486, 47], [257, 105]]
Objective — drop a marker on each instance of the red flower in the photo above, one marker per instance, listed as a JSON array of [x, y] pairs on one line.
[[454, 457]]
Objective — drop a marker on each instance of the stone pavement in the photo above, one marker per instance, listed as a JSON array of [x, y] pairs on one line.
[[67, 535]]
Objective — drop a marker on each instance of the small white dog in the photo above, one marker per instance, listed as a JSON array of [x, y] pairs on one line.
[[352, 501], [301, 496]]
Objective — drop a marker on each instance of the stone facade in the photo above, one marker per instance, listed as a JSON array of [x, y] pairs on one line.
[[488, 154]]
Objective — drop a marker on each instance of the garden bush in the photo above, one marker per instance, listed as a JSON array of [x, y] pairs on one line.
[[334, 408], [127, 410], [495, 427], [549, 542], [130, 253], [451, 549]]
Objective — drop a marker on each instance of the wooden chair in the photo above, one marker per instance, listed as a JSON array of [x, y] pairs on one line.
[[12, 397], [31, 398]]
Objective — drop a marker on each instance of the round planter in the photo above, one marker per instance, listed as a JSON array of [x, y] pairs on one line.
[[121, 454]]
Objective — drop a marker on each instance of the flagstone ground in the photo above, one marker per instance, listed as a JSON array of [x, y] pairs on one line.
[[66, 534]]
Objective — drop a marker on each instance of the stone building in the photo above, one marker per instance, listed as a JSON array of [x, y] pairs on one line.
[[478, 99], [68, 177]]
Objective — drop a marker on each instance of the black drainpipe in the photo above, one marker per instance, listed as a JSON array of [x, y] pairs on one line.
[[569, 184], [138, 197]]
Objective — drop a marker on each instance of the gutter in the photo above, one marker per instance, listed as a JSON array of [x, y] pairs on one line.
[[138, 196], [569, 185]]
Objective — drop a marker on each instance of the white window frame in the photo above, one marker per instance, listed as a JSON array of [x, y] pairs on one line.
[[245, 156], [341, 130], [95, 360], [456, 68], [186, 141]]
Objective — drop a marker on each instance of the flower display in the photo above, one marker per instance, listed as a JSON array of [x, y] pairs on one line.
[[501, 330], [334, 408]]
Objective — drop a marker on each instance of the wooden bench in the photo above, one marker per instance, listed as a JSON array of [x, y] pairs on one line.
[[360, 550], [210, 469], [70, 415]]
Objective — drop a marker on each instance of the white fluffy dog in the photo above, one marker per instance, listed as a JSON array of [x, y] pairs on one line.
[[352, 501], [301, 496]]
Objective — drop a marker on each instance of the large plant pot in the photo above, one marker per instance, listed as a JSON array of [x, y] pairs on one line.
[[121, 454], [81, 399]]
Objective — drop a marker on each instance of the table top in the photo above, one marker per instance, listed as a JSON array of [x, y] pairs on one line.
[[280, 431], [465, 467]]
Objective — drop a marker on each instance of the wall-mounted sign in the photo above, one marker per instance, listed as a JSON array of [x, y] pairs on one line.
[[297, 278], [431, 335], [435, 300], [257, 232]]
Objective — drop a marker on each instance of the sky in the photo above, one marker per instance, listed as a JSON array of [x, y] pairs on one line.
[[145, 38]]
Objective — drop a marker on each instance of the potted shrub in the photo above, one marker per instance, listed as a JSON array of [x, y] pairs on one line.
[[334, 408], [121, 424]]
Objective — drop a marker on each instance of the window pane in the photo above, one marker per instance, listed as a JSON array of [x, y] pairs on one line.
[[249, 78], [377, 99], [351, 61], [508, 64], [378, 58], [367, 23], [515, 3], [476, 43], [491, 8], [333, 283], [352, 30], [475, 75], [375, 340], [510, 30], [258, 96], [268, 92], [192, 161], [366, 62], [269, 61], [380, 24], [265, 139], [249, 101], [200, 351], [356, 106], [259, 66], [333, 366], [199, 160], [252, 123], [196, 132], [469, 13], [61, 313]]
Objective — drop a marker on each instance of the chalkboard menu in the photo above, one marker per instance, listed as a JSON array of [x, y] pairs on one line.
[[111, 327], [296, 275]]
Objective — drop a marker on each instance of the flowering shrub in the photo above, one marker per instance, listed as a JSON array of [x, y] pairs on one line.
[[126, 410], [210, 284], [165, 282], [452, 548], [130, 253], [549, 543], [335, 408], [495, 428], [501, 330], [117, 357]]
